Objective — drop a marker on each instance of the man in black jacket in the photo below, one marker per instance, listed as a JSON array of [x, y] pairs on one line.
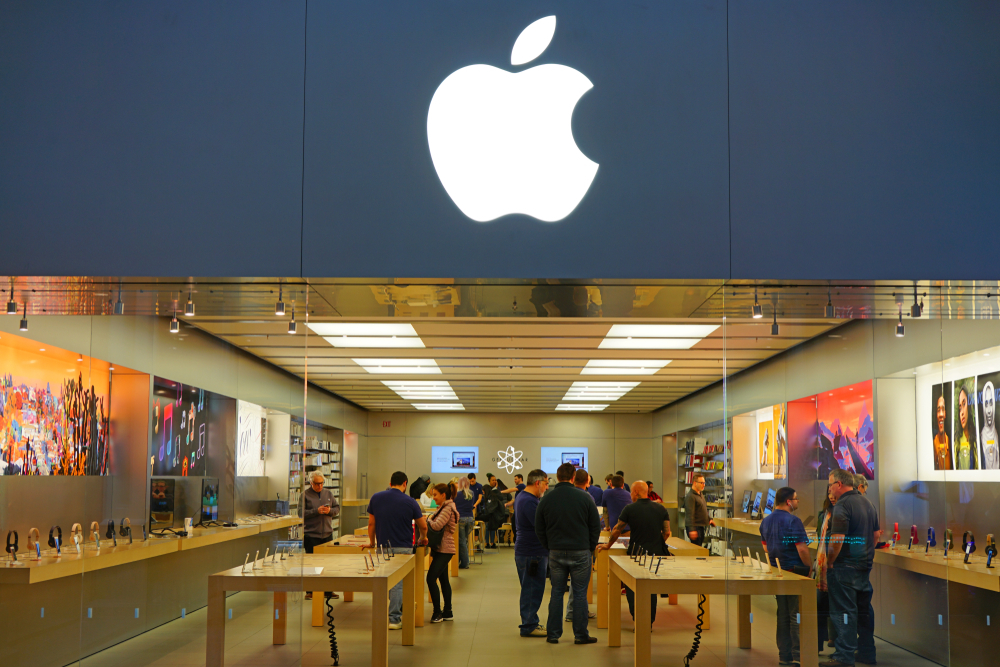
[[567, 524]]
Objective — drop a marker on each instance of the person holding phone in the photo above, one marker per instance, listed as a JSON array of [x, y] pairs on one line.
[[317, 507]]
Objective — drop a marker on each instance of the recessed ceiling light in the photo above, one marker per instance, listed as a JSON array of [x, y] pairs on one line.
[[623, 366], [352, 334], [581, 407], [398, 366], [599, 391], [438, 406], [656, 336], [426, 390]]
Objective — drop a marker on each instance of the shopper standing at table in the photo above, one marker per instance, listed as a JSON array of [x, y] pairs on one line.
[[567, 525], [317, 507], [827, 631], [518, 488], [784, 537], [653, 495], [580, 480], [391, 515], [622, 475], [650, 524], [465, 503], [852, 552], [530, 557], [607, 481], [595, 491], [445, 521], [477, 491], [615, 500], [696, 511]]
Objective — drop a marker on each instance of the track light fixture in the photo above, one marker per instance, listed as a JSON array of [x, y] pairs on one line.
[[279, 308], [189, 308], [900, 330], [291, 325], [24, 318], [774, 324], [758, 312], [175, 326], [917, 308], [11, 304], [829, 306]]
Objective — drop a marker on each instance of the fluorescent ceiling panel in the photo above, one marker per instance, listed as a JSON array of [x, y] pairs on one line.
[[399, 366], [655, 336], [422, 390], [439, 406], [598, 391], [581, 407], [623, 366], [346, 334]]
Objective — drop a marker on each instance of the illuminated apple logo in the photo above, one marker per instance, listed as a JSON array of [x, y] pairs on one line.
[[502, 142]]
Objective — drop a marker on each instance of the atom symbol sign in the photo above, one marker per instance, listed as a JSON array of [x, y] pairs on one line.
[[509, 460]]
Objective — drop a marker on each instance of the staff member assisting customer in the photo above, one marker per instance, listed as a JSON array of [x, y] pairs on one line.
[[530, 557]]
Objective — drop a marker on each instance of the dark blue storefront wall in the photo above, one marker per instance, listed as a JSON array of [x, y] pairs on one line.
[[745, 139]]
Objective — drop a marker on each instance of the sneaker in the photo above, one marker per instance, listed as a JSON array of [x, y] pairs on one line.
[[333, 596], [448, 616], [537, 632], [552, 640], [592, 614], [585, 640], [789, 663], [396, 626], [309, 596], [437, 617]]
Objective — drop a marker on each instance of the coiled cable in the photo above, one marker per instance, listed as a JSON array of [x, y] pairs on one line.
[[334, 651], [697, 633]]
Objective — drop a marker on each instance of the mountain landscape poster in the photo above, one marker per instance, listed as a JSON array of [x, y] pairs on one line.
[[833, 429]]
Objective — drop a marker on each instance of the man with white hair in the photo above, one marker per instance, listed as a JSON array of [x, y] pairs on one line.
[[317, 507], [991, 446]]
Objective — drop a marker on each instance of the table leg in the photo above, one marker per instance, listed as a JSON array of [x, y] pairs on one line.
[[602, 588], [409, 610], [280, 617], [706, 623], [590, 588], [215, 643], [643, 624], [418, 588], [380, 623], [743, 623], [348, 596], [614, 609], [672, 599], [807, 627], [317, 610]]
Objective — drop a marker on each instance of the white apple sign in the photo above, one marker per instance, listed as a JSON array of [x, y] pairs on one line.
[[502, 142]]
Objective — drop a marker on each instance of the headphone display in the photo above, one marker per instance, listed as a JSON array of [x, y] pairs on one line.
[[76, 534], [55, 539], [125, 530], [33, 538], [110, 532], [12, 544]]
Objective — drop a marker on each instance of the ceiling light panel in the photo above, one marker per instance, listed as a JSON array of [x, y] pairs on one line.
[[656, 336], [346, 334], [581, 407], [623, 366], [422, 390], [399, 366], [598, 391], [438, 406]]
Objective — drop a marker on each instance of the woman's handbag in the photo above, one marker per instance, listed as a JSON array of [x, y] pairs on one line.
[[434, 537]]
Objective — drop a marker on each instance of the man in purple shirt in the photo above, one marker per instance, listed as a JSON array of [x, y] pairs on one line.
[[615, 500]]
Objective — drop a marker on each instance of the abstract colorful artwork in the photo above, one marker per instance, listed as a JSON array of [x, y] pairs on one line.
[[186, 421]]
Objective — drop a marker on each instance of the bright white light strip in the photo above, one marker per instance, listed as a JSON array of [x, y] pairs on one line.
[[399, 366], [623, 366], [581, 407], [655, 336], [599, 391], [422, 389], [438, 406], [374, 341], [356, 329]]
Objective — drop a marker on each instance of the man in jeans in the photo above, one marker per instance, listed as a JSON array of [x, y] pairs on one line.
[[530, 557], [696, 511], [568, 526], [391, 515], [854, 530], [784, 537]]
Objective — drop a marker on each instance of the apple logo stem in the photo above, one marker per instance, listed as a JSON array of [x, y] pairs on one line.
[[502, 142]]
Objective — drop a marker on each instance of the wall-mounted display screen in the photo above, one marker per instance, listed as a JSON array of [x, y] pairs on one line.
[[251, 420], [957, 435], [161, 500], [455, 459], [209, 499], [769, 504], [746, 501], [833, 429], [185, 421], [553, 457]]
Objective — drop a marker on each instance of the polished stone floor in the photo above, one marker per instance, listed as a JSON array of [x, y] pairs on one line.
[[484, 632]]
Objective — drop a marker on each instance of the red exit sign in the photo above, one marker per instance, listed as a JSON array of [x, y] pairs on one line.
[[386, 424]]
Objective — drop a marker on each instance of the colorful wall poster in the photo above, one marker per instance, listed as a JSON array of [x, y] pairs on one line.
[[185, 421], [54, 410], [834, 429], [251, 420], [986, 416], [765, 445], [965, 435], [766, 430], [941, 402]]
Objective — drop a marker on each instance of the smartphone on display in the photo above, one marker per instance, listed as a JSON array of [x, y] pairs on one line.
[[769, 505], [746, 500], [756, 505]]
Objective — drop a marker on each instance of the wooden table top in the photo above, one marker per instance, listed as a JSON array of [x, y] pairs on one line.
[[345, 571], [684, 574], [71, 563]]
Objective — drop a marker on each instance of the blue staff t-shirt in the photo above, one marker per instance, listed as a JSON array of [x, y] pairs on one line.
[[527, 543], [615, 500], [596, 493], [781, 531], [464, 505], [394, 513]]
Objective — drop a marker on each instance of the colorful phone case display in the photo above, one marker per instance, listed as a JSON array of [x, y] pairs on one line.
[[185, 421], [54, 408]]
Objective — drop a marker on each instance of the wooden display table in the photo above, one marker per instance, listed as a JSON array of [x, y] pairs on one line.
[[71, 563], [677, 547], [340, 572], [318, 611], [716, 576]]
